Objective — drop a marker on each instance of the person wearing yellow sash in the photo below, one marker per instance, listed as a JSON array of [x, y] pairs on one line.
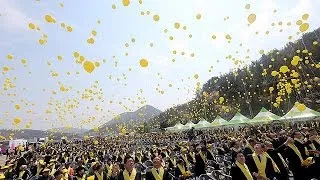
[[157, 172], [259, 164], [172, 161], [249, 147], [23, 173], [138, 157], [210, 152], [279, 160], [114, 173], [181, 170], [40, 167], [239, 170], [201, 161], [313, 143], [191, 155], [130, 172], [296, 157], [97, 171], [184, 156], [65, 175]]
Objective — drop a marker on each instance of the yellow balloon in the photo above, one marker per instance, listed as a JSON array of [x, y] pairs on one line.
[[274, 73], [17, 106], [90, 41], [125, 2], [95, 142], [304, 27], [156, 17], [305, 16], [177, 25], [284, 69], [49, 19], [76, 54], [69, 29], [221, 99], [5, 68], [32, 26], [252, 18], [301, 107], [88, 66], [198, 16], [93, 32], [17, 120], [144, 63]]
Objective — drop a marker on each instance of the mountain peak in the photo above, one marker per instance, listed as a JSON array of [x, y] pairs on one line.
[[143, 114]]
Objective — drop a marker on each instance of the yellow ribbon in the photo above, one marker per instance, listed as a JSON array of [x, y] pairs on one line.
[[261, 165], [313, 147], [192, 154], [21, 174], [245, 170], [275, 166], [156, 175], [132, 176], [182, 169], [99, 176], [203, 157], [184, 157], [296, 150], [110, 170]]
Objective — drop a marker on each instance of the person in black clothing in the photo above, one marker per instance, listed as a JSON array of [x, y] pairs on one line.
[[257, 158], [129, 170], [249, 147], [45, 175], [191, 134], [201, 161], [181, 169], [239, 170], [157, 171], [279, 160]]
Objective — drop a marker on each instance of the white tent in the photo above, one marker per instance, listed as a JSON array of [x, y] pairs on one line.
[[177, 127], [189, 125], [295, 114], [219, 121], [264, 116], [238, 119], [202, 124]]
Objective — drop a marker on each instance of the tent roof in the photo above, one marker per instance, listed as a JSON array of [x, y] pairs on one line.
[[203, 124], [239, 119], [219, 121], [264, 116], [294, 113]]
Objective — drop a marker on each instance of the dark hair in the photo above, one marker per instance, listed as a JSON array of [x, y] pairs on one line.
[[294, 133], [79, 169], [57, 173], [251, 140], [126, 159]]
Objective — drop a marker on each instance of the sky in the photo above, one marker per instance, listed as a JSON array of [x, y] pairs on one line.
[[32, 96]]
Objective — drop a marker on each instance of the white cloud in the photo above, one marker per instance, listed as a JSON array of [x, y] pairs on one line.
[[12, 17]]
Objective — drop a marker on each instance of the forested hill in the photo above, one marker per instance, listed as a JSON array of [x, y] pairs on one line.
[[275, 81]]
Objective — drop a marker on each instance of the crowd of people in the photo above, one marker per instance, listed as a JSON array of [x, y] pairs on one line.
[[273, 151]]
